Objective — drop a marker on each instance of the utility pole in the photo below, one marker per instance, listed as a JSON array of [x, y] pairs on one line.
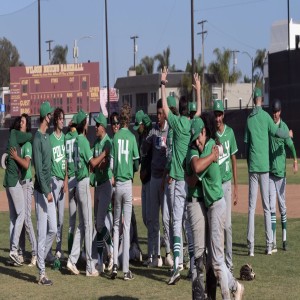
[[107, 62], [203, 32], [49, 49], [234, 58], [39, 31], [134, 49], [192, 44]]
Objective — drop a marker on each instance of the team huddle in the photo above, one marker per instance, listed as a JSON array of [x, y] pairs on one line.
[[187, 163]]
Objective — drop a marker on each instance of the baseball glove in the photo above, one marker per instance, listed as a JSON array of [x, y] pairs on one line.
[[246, 272]]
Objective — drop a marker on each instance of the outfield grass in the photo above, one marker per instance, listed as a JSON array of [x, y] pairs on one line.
[[277, 276]]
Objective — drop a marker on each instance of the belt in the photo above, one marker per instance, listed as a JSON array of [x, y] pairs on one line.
[[193, 199], [22, 182]]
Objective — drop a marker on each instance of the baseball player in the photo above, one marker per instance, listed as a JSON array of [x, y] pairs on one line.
[[156, 142], [125, 161], [143, 125], [59, 176], [44, 205], [181, 139], [227, 162], [103, 190], [277, 178], [83, 157], [215, 203], [26, 181], [72, 182], [258, 128]]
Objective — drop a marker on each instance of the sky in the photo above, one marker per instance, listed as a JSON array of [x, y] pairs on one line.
[[243, 25]]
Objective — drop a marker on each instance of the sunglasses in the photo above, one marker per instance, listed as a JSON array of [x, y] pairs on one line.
[[97, 124], [115, 123]]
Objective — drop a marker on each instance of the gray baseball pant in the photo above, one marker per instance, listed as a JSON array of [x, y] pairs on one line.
[[123, 199], [28, 227], [263, 179], [85, 227], [72, 204], [216, 219], [15, 198], [46, 228], [228, 226]]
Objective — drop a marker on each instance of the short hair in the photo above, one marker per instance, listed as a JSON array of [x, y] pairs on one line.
[[56, 115], [183, 106], [28, 122], [81, 125], [159, 104], [125, 115], [174, 110], [113, 116]]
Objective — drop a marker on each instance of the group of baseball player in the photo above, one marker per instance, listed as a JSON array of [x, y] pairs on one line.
[[187, 168]]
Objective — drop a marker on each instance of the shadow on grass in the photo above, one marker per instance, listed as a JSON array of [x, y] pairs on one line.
[[242, 249], [117, 297], [15, 272]]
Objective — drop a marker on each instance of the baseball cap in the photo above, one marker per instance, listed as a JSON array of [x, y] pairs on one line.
[[257, 93], [46, 109], [171, 101], [101, 119], [146, 120], [276, 105], [81, 115], [192, 106], [196, 126], [138, 119], [74, 120], [218, 105]]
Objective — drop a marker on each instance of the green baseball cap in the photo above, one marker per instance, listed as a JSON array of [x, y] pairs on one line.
[[257, 93], [146, 120], [46, 109], [74, 120], [218, 105], [196, 126], [192, 106], [81, 115], [138, 119], [171, 101], [101, 119]]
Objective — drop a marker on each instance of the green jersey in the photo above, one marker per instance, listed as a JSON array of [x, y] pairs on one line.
[[42, 162], [124, 151], [81, 156], [278, 154], [26, 151], [102, 175], [227, 139], [13, 171], [58, 157], [211, 178], [181, 138], [195, 191], [70, 140], [258, 127]]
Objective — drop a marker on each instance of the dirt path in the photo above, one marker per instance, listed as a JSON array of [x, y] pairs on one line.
[[292, 196]]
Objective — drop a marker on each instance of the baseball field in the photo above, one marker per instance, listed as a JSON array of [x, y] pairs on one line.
[[277, 276]]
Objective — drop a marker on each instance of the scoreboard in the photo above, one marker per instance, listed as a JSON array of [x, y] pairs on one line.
[[69, 86]]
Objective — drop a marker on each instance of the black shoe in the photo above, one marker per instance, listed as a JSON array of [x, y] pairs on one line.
[[114, 272], [15, 258], [284, 245], [45, 281], [128, 276]]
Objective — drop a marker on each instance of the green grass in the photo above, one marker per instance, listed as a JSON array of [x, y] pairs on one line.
[[277, 276], [242, 174]]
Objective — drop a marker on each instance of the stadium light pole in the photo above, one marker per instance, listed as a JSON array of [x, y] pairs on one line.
[[39, 32], [76, 50], [252, 67], [107, 61], [134, 49]]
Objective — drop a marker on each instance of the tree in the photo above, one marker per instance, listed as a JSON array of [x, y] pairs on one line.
[[164, 59], [147, 63], [9, 57], [247, 79], [258, 64], [59, 55], [220, 68]]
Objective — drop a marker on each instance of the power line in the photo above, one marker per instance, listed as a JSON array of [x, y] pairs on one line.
[[20, 9]]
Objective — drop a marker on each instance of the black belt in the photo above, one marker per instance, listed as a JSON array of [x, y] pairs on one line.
[[193, 199], [22, 182]]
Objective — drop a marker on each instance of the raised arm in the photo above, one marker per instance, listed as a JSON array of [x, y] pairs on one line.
[[163, 82], [197, 87]]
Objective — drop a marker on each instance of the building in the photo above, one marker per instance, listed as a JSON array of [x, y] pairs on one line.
[[113, 100]]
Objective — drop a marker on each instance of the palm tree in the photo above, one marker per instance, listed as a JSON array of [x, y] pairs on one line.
[[259, 61], [59, 55], [220, 68], [163, 59], [148, 64]]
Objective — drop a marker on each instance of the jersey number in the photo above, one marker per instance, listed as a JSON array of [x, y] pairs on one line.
[[76, 158], [70, 149], [123, 150]]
